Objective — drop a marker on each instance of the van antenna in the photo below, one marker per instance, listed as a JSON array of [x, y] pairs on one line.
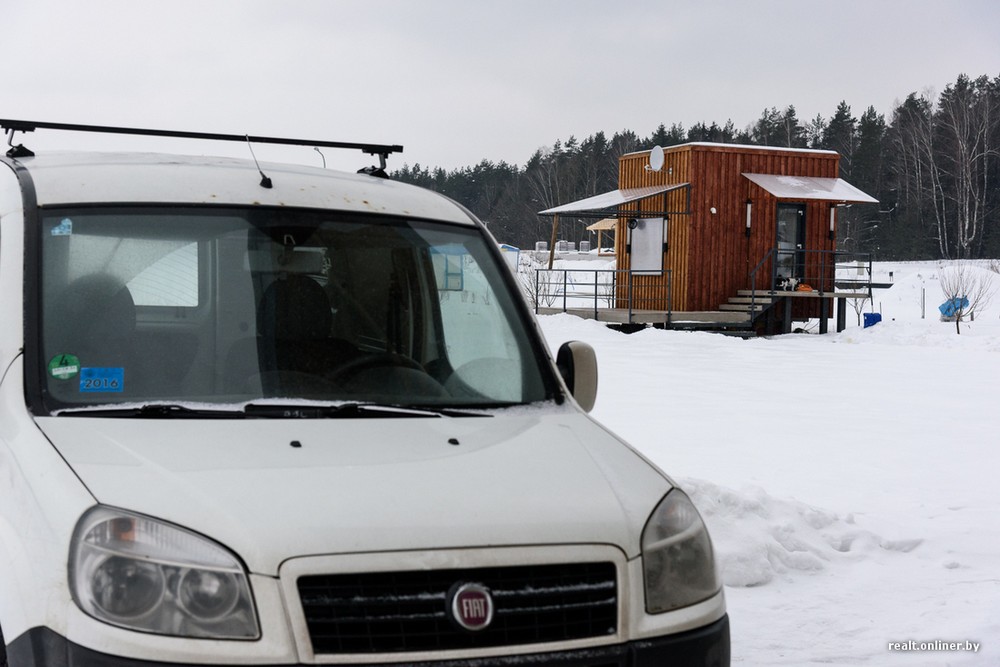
[[265, 182], [316, 148]]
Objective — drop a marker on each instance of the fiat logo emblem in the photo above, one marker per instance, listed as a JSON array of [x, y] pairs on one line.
[[472, 606]]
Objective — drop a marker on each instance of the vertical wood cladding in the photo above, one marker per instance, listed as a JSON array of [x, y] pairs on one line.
[[709, 255]]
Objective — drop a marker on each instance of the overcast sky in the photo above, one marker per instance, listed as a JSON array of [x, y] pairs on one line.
[[457, 81]]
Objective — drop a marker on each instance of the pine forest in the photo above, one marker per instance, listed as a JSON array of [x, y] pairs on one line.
[[933, 163]]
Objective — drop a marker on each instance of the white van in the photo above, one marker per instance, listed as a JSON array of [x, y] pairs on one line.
[[278, 415]]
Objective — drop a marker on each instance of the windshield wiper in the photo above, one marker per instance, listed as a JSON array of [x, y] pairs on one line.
[[269, 411], [153, 411], [352, 411]]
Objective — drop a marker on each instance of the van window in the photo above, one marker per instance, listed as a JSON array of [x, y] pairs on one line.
[[478, 338], [232, 306], [171, 280]]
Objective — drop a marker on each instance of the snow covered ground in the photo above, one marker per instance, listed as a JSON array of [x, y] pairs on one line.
[[851, 481]]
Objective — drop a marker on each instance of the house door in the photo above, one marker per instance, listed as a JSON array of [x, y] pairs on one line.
[[790, 258]]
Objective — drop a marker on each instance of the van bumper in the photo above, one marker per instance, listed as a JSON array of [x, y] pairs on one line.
[[704, 647]]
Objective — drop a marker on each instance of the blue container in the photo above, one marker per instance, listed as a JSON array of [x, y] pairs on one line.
[[871, 319]]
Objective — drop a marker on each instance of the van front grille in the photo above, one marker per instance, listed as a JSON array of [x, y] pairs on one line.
[[390, 612]]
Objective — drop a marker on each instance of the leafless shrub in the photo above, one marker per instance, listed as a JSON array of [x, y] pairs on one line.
[[859, 307], [607, 290], [968, 288], [536, 285]]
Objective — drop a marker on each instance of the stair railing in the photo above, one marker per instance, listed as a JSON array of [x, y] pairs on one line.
[[753, 282], [828, 262]]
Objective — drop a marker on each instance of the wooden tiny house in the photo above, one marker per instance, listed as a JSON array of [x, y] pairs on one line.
[[738, 223]]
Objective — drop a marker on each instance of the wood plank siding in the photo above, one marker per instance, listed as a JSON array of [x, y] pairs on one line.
[[709, 256]]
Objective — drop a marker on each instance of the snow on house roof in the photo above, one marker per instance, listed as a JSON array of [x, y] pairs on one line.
[[612, 198], [811, 187], [712, 144]]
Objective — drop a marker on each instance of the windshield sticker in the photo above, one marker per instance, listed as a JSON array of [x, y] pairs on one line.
[[102, 380], [64, 367], [64, 228]]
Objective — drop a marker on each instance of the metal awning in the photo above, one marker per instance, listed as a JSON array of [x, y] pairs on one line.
[[608, 200], [603, 225], [811, 187]]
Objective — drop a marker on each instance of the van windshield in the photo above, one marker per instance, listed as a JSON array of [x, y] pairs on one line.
[[236, 306]]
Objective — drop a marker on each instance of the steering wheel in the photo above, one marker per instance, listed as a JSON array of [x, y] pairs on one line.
[[348, 370]]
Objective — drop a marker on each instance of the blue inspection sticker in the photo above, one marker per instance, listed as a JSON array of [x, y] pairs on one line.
[[64, 228], [102, 380]]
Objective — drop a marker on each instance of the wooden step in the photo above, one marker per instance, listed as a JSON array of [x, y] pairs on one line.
[[745, 307], [766, 294], [750, 299], [760, 293], [710, 317]]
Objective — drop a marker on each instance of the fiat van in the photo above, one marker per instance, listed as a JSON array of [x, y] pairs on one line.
[[265, 414]]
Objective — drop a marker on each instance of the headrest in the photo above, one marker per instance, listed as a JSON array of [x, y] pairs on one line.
[[95, 311], [294, 307]]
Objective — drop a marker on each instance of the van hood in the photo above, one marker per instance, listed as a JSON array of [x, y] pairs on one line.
[[271, 490]]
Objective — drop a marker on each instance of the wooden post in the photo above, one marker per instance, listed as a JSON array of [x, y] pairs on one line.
[[552, 244]]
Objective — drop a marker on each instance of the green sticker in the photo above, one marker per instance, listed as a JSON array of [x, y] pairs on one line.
[[64, 367]]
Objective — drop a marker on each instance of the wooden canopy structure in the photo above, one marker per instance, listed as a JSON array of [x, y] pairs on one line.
[[600, 227]]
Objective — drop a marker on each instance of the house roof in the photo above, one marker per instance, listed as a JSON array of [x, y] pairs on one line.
[[611, 199], [811, 187]]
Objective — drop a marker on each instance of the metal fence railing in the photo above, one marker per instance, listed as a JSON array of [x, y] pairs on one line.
[[825, 272], [601, 289]]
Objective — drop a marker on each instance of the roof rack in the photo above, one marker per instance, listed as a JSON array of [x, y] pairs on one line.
[[11, 126]]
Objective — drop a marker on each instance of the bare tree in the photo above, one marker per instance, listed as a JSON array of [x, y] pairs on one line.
[[538, 287], [919, 174], [968, 288], [859, 307], [968, 120], [543, 176], [945, 150]]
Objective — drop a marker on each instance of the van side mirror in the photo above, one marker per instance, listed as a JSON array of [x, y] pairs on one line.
[[577, 364]]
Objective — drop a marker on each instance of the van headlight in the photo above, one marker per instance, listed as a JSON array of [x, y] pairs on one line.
[[143, 574], [677, 559]]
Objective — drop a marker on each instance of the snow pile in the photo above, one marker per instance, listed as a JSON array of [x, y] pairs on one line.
[[757, 537]]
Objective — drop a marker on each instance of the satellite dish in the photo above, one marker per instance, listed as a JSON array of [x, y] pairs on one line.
[[655, 159]]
